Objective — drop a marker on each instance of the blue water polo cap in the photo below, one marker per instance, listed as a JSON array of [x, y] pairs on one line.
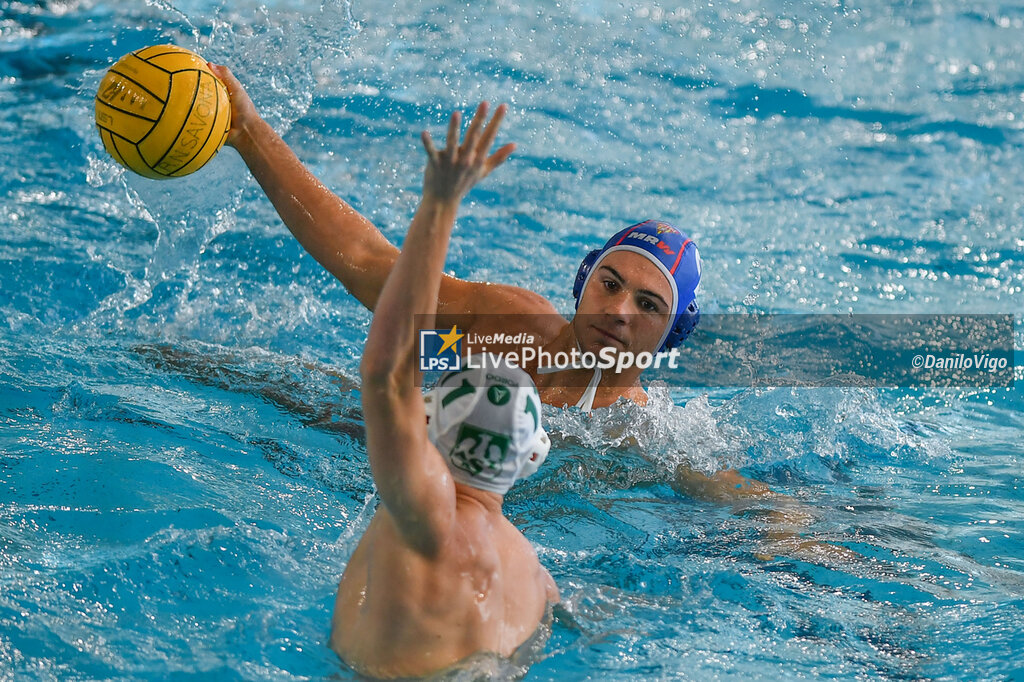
[[674, 254]]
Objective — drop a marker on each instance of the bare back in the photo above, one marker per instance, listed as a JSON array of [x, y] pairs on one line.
[[399, 613]]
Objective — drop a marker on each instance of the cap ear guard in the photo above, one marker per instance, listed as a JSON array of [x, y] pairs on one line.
[[541, 446], [581, 274], [686, 322]]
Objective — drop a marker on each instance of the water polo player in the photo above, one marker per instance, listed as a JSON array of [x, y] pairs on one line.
[[643, 292], [440, 575]]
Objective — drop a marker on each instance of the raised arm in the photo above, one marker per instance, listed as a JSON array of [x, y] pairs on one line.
[[412, 478], [347, 244], [340, 238]]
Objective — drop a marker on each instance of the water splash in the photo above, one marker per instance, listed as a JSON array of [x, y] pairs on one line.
[[785, 434], [664, 433], [190, 213]]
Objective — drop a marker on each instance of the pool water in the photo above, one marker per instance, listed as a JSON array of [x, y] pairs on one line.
[[182, 468]]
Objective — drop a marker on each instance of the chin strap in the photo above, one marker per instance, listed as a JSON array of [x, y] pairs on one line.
[[586, 402]]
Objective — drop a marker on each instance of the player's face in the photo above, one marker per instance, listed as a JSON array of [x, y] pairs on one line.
[[626, 305]]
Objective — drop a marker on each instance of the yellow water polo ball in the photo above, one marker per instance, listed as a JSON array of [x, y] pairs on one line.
[[161, 112]]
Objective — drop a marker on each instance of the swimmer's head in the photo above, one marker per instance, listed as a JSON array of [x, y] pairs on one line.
[[486, 424], [675, 256]]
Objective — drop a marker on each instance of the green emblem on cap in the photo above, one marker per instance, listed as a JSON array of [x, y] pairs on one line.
[[498, 395], [479, 451], [465, 389], [531, 409]]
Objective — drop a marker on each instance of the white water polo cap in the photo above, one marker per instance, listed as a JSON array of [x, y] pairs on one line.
[[486, 424]]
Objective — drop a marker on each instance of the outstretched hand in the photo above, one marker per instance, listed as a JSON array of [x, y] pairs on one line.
[[452, 171]]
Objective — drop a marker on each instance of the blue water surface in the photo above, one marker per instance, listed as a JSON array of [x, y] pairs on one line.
[[182, 465]]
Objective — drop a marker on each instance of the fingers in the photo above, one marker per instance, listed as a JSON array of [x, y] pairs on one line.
[[453, 170], [428, 144], [453, 134], [478, 139], [469, 143], [499, 157], [225, 76], [242, 108], [491, 132]]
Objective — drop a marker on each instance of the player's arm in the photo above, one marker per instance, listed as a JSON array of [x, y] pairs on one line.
[[340, 238], [726, 485], [783, 521], [412, 478]]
